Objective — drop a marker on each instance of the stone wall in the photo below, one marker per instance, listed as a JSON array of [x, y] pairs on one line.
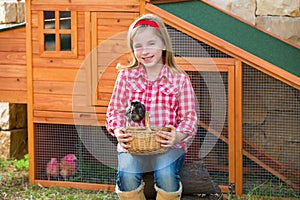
[[13, 130], [280, 17], [13, 117], [12, 11], [271, 116]]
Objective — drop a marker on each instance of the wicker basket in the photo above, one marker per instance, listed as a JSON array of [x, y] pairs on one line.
[[144, 139]]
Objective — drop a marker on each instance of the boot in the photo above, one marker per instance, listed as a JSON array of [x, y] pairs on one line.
[[163, 195], [137, 194]]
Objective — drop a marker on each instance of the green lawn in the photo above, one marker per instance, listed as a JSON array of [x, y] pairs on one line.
[[14, 186]]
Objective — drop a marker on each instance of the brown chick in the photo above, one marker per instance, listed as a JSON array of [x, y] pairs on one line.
[[68, 166], [135, 112], [52, 168]]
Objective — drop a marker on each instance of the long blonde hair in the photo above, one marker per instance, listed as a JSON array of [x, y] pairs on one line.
[[162, 33]]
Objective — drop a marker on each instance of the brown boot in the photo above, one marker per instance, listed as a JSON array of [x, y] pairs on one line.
[[163, 195], [137, 194]]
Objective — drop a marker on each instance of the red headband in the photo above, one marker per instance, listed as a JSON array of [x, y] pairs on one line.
[[146, 22]]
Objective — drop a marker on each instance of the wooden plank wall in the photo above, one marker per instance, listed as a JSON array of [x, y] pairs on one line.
[[61, 86], [53, 78], [13, 86], [112, 49]]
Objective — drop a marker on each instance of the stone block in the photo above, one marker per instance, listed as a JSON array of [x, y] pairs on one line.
[[20, 12], [244, 9], [254, 108], [282, 126], [13, 116], [278, 8], [223, 4], [287, 28], [13, 144], [8, 12], [290, 154], [254, 135], [282, 135]]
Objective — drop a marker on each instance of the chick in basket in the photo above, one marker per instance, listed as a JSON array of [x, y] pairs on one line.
[[135, 112]]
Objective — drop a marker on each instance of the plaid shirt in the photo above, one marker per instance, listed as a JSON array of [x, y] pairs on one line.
[[169, 100]]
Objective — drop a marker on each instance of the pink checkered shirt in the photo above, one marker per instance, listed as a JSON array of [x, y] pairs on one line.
[[169, 100]]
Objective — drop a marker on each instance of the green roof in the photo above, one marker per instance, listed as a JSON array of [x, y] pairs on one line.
[[238, 33]]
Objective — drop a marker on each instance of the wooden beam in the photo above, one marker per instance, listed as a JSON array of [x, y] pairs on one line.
[[66, 184], [90, 7], [88, 49], [31, 142], [231, 124], [238, 128], [13, 96], [142, 7]]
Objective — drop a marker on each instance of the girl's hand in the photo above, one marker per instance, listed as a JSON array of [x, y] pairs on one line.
[[168, 137], [123, 138]]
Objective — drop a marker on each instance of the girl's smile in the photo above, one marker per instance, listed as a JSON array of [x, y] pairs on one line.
[[148, 48]]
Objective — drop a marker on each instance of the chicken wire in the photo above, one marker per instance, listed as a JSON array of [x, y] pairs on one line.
[[209, 147], [271, 135], [211, 106], [57, 141], [186, 46]]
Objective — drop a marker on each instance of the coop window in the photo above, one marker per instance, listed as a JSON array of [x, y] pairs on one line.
[[58, 37]]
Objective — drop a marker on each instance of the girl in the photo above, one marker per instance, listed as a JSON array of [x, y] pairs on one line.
[[166, 91]]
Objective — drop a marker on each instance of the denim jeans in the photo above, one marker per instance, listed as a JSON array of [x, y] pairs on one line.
[[166, 168]]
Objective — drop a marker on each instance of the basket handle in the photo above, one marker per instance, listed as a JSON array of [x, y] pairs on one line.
[[147, 121]]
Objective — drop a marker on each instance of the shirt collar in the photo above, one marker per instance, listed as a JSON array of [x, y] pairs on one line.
[[140, 71]]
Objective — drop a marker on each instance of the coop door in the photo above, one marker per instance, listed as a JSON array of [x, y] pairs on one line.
[[213, 82], [109, 47], [212, 74]]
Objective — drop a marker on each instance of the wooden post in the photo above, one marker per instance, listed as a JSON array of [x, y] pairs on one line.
[[231, 123], [238, 128], [31, 149]]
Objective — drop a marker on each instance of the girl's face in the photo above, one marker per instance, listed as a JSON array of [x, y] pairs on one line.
[[147, 47]]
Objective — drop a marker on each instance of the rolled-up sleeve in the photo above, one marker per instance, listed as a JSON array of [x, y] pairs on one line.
[[186, 114], [115, 115]]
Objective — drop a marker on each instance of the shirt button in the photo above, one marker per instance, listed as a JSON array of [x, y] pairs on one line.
[[150, 99]]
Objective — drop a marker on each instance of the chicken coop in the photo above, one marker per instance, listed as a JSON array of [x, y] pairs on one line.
[[246, 83]]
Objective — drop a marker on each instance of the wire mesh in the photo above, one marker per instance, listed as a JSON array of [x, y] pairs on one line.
[[58, 140], [186, 46], [206, 144], [271, 139]]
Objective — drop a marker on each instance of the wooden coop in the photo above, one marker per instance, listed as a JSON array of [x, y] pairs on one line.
[[246, 82]]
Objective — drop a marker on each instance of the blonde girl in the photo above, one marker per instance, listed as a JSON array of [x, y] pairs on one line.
[[164, 88]]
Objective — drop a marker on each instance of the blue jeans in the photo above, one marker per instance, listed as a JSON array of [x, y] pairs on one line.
[[166, 168]]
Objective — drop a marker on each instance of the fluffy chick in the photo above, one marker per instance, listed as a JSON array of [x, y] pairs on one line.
[[52, 168], [135, 112], [68, 166]]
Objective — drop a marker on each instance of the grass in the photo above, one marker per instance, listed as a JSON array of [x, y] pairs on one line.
[[14, 186]]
